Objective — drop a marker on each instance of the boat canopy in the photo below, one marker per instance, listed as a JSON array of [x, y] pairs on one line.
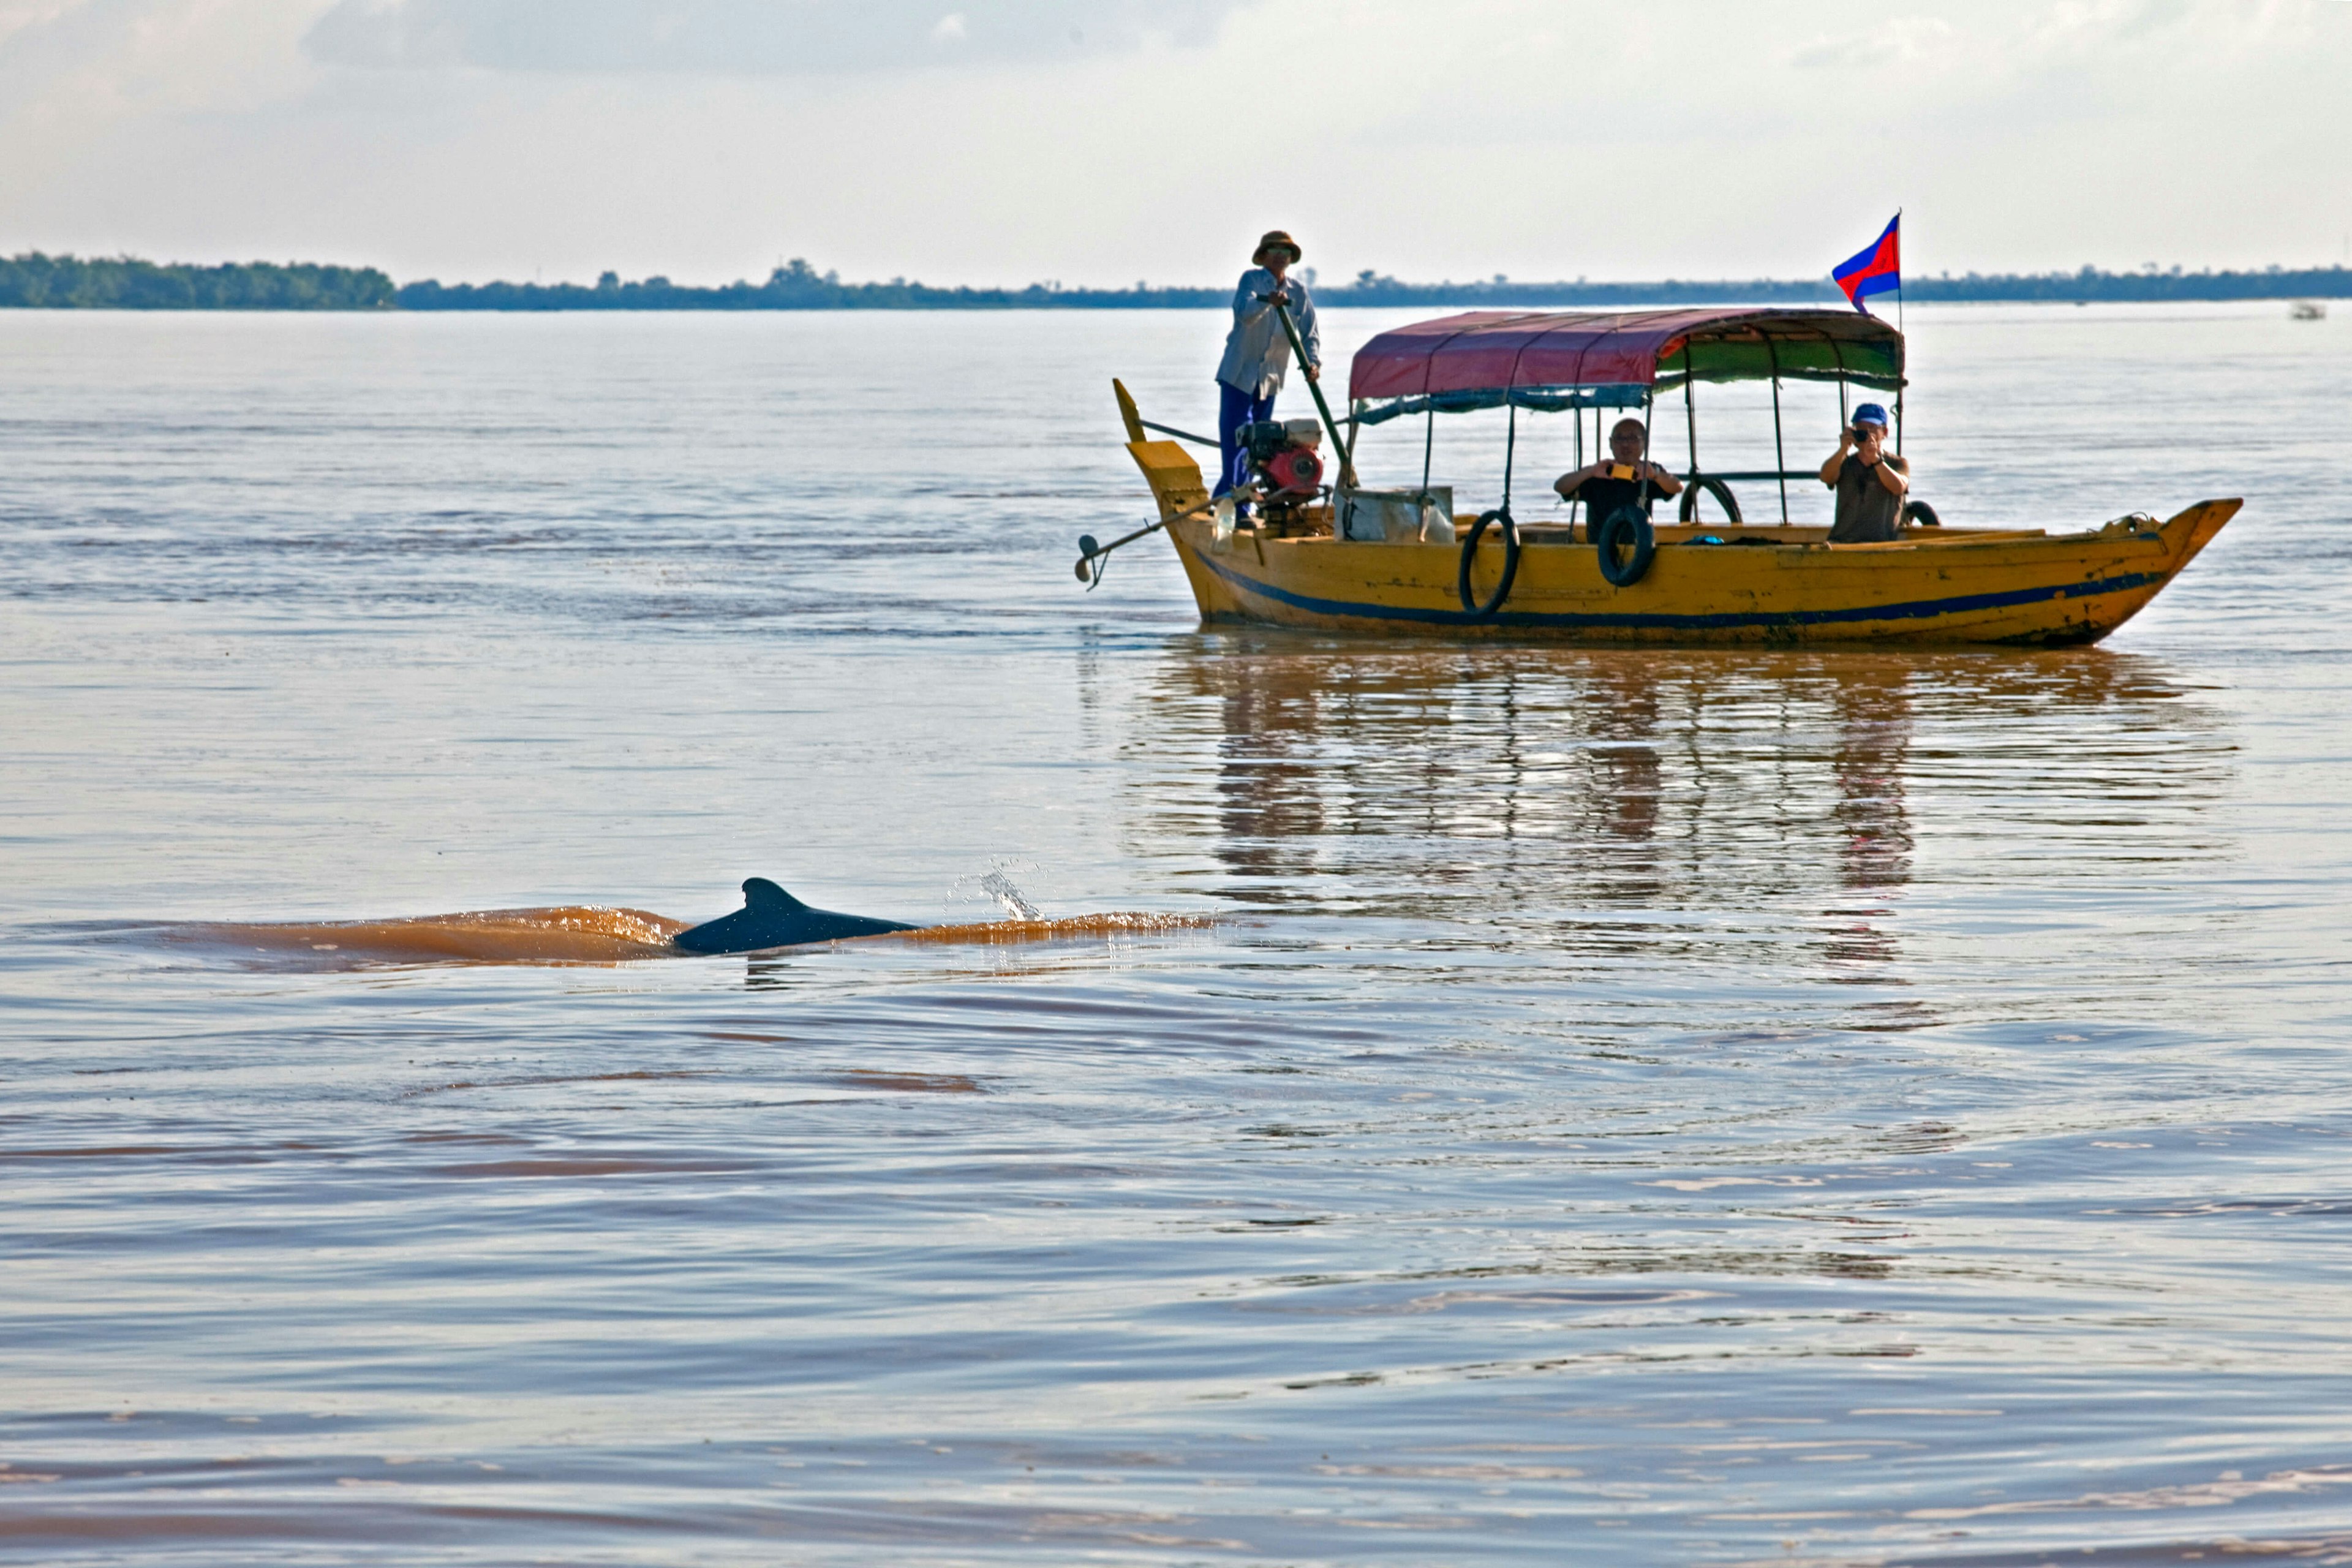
[[1609, 359]]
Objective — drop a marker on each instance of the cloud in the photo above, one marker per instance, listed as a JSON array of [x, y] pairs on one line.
[[18, 15], [71, 69], [1904, 41], [759, 37]]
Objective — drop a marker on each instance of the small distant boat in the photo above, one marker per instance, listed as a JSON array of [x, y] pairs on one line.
[[2306, 310], [1309, 560]]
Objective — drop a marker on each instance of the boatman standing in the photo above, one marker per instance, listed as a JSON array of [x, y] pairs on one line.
[[1870, 481], [1257, 350]]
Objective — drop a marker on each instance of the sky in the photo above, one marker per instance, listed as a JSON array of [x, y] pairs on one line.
[[1112, 141]]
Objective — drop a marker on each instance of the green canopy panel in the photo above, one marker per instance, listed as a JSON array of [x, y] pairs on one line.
[[1877, 363]]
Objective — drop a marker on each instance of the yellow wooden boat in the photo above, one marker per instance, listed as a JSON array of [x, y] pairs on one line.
[[1303, 561]]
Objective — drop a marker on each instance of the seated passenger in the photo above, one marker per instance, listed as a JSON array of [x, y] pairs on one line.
[[1624, 479], [1870, 481]]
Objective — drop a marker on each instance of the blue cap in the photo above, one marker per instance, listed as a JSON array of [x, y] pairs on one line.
[[1870, 413]]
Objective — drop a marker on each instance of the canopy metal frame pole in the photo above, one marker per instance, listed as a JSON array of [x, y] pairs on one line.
[[1649, 414], [1576, 421], [1428, 446], [1780, 449], [1510, 451], [1511, 432], [1690, 416]]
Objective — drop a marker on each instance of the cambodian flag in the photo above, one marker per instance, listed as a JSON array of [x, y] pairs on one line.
[[1874, 270]]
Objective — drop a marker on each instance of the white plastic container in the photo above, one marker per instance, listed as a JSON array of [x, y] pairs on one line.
[[1398, 517]]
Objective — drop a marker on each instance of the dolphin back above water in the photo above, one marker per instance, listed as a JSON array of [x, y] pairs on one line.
[[600, 934], [772, 918]]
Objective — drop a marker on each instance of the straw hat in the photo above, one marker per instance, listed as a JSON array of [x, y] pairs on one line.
[[1274, 238]]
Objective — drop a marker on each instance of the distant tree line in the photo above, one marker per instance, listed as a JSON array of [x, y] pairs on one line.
[[796, 286], [2087, 284], [2147, 284], [124, 283]]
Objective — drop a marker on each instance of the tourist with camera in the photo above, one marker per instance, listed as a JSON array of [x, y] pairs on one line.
[[1623, 478], [1870, 481]]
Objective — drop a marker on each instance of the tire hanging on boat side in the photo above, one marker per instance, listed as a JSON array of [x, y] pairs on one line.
[[1501, 514], [1628, 527], [1719, 490]]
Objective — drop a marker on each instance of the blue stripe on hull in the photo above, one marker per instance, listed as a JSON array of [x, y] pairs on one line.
[[1916, 610]]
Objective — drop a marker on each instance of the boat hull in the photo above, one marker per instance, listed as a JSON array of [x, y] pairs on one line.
[[1784, 586]]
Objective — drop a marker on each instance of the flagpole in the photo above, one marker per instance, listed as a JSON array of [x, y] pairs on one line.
[[1898, 272]]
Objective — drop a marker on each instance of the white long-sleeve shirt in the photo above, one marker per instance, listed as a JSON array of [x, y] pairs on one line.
[[1257, 352]]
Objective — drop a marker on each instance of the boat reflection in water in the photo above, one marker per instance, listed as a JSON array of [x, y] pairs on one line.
[[1868, 822], [1774, 808]]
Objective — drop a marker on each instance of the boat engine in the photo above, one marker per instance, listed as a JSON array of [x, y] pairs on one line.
[[1282, 455]]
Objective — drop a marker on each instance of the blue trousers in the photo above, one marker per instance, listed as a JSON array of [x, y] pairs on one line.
[[1236, 408]]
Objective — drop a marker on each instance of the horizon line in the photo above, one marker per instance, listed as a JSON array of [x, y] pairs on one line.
[[38, 280]]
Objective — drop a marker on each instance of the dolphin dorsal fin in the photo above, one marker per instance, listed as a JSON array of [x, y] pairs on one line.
[[759, 893]]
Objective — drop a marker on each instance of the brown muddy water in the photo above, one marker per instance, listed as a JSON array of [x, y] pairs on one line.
[[1618, 1107]]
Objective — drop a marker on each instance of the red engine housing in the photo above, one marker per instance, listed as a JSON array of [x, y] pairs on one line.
[[1295, 471]]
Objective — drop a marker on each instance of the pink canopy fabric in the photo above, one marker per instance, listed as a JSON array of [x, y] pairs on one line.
[[1497, 351]]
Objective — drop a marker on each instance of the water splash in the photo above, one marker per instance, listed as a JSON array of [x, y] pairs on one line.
[[998, 885]]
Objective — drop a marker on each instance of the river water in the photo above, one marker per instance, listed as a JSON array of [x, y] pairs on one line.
[[1663, 1106]]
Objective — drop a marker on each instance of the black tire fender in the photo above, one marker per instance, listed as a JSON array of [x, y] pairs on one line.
[[1716, 487], [1501, 514], [1626, 527]]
